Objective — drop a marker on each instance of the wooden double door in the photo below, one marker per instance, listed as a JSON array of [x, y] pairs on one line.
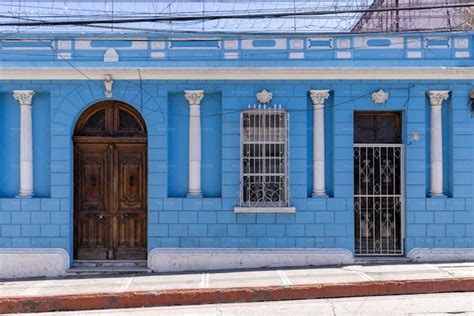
[[110, 184]]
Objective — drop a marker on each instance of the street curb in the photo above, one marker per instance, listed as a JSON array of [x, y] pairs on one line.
[[35, 304]]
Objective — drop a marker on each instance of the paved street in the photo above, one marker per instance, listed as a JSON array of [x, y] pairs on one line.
[[426, 304], [282, 277]]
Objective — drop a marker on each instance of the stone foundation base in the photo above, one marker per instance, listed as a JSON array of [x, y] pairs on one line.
[[441, 254], [173, 259], [29, 262]]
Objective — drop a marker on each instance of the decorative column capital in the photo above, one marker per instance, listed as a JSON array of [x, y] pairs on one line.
[[194, 97], [438, 96], [318, 97], [23, 96]]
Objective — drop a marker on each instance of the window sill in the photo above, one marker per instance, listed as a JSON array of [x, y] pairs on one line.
[[290, 209]]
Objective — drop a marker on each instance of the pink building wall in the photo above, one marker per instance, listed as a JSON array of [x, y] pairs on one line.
[[412, 20]]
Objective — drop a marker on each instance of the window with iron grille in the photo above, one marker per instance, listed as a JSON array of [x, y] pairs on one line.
[[264, 160]]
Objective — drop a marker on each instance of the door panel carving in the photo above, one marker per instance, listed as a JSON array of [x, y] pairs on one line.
[[92, 163], [110, 174], [131, 210]]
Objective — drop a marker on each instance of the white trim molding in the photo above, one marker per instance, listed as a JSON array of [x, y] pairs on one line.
[[24, 97], [206, 259], [288, 209], [318, 97], [240, 73], [194, 98], [437, 97], [441, 254], [33, 262]]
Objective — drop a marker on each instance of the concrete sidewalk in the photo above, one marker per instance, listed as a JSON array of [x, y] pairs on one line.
[[218, 287]]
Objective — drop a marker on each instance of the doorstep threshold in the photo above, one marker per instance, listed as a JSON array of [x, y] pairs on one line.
[[110, 261], [108, 267], [381, 259]]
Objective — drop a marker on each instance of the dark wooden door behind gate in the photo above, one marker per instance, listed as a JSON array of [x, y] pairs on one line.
[[110, 172]]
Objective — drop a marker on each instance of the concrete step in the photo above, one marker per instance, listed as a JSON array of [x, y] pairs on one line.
[[108, 267], [381, 260], [106, 271]]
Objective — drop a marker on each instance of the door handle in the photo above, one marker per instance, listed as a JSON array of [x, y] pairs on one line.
[[101, 216], [122, 216]]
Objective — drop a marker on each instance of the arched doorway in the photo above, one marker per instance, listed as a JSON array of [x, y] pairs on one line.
[[110, 183]]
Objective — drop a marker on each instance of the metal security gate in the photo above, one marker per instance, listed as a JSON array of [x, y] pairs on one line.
[[378, 193]]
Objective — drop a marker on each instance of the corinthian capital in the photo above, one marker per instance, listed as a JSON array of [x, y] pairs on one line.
[[318, 97], [438, 96], [194, 97], [23, 96]]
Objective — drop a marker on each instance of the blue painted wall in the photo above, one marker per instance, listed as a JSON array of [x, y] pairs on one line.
[[41, 144], [10, 145], [177, 221], [178, 129]]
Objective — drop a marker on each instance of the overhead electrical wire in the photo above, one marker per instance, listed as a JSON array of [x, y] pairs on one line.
[[243, 33], [230, 16]]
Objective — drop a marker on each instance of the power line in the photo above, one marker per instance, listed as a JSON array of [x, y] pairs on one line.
[[330, 4], [231, 16], [257, 33], [242, 33]]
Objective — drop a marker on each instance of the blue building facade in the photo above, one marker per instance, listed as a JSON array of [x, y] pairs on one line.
[[197, 212]]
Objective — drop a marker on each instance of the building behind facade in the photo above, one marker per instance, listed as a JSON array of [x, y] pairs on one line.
[[443, 19]]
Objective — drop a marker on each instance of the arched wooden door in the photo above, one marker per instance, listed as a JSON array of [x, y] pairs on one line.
[[110, 184]]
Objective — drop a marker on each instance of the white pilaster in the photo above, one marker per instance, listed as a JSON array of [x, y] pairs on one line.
[[194, 98], [318, 97], [24, 97], [436, 141]]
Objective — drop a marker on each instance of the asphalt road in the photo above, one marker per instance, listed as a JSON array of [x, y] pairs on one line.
[[425, 304]]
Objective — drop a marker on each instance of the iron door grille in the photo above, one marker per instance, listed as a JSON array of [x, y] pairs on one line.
[[378, 199], [264, 158]]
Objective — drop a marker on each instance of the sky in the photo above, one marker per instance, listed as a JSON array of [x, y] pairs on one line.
[[22, 10]]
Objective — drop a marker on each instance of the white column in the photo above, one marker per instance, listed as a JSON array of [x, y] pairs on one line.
[[24, 97], [194, 98], [318, 97], [436, 141]]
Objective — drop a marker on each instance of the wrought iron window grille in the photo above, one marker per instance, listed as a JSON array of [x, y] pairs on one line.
[[264, 167]]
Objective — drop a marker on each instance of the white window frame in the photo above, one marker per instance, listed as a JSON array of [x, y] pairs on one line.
[[261, 135]]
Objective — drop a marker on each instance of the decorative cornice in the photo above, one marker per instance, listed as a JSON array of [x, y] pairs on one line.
[[108, 82], [318, 97], [240, 73], [380, 97], [194, 97], [23, 96], [264, 97], [438, 96]]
